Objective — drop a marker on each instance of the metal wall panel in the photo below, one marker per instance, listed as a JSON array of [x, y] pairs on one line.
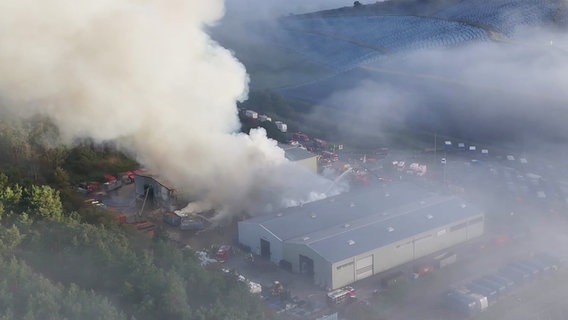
[[392, 255], [424, 245], [475, 230], [343, 273], [364, 267]]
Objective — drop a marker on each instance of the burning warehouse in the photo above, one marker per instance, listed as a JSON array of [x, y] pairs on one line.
[[345, 238], [161, 192], [154, 190]]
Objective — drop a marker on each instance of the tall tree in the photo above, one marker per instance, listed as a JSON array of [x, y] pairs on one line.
[[44, 201], [11, 197]]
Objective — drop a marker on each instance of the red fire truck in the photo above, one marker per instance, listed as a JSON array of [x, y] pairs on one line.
[[223, 253]]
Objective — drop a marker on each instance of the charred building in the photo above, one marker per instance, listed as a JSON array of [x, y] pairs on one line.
[[154, 190]]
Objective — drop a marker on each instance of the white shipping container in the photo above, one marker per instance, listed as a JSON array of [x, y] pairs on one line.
[[254, 287], [281, 126], [251, 114]]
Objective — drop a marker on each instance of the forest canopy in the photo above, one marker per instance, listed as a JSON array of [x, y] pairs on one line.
[[61, 259]]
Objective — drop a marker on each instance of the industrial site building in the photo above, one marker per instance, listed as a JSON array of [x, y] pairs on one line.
[[300, 156], [348, 237], [160, 192], [154, 190]]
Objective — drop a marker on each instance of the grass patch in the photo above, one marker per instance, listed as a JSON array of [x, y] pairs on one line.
[[279, 67]]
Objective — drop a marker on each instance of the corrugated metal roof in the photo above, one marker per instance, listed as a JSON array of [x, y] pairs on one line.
[[367, 219], [295, 153], [338, 210], [149, 174], [376, 231]]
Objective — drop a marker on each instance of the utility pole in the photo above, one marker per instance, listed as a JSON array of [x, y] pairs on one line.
[[144, 202], [436, 149], [445, 161]]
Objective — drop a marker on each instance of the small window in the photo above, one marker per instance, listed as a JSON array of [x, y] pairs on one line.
[[476, 220], [458, 226], [345, 265], [423, 238]]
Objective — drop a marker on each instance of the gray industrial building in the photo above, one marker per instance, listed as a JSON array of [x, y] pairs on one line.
[[160, 192], [154, 190], [300, 156], [345, 238]]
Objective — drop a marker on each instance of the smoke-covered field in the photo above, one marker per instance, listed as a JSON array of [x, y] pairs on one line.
[[484, 92], [478, 69]]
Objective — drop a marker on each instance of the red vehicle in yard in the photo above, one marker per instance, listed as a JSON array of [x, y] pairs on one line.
[[224, 253], [329, 156], [109, 178], [300, 136], [423, 269], [89, 187], [127, 177]]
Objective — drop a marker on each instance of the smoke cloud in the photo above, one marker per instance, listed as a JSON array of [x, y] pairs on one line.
[[489, 91], [145, 72]]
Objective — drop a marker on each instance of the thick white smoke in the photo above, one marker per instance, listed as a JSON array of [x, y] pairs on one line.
[[145, 72]]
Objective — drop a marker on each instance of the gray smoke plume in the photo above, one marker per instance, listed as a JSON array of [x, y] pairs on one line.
[[505, 91], [145, 72]]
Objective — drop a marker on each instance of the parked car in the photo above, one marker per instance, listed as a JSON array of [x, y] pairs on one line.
[[224, 253]]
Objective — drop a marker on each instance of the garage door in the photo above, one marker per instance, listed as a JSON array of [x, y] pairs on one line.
[[364, 267]]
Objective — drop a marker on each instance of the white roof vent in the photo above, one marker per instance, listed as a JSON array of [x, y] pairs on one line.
[[351, 242], [387, 194], [422, 202], [347, 225], [306, 238], [279, 214], [390, 229], [463, 205], [429, 216], [352, 204], [313, 215]]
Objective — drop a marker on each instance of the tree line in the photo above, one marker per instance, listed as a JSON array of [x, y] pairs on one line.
[[60, 259]]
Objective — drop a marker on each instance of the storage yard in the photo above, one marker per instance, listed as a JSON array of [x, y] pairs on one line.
[[457, 230], [412, 229]]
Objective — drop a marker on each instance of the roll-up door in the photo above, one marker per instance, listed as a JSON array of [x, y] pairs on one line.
[[364, 267]]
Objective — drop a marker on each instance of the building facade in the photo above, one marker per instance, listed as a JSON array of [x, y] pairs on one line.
[[301, 156], [154, 190]]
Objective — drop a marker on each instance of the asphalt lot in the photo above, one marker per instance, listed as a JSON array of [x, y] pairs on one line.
[[507, 191]]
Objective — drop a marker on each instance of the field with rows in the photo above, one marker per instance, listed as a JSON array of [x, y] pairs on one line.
[[505, 16], [344, 42], [310, 56]]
